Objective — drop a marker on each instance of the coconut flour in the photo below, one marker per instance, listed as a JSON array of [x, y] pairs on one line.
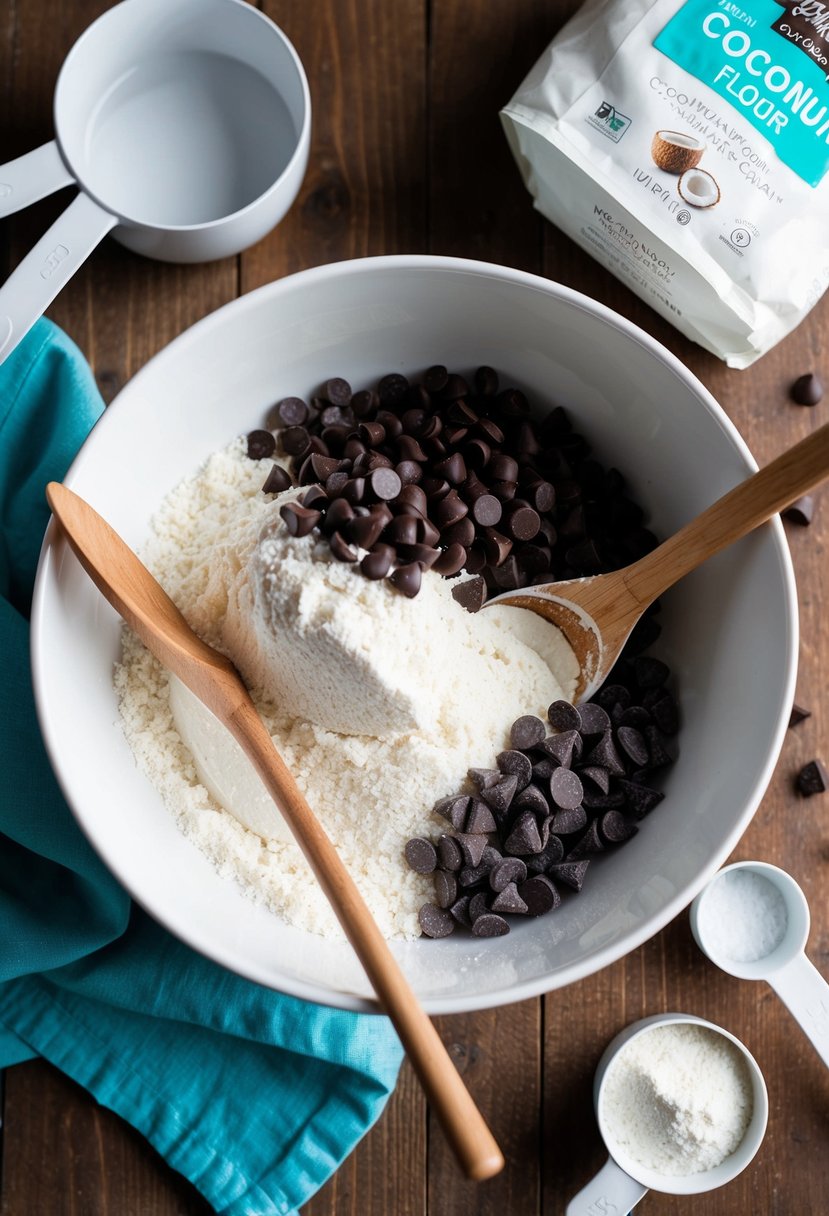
[[686, 146], [677, 1098], [370, 793]]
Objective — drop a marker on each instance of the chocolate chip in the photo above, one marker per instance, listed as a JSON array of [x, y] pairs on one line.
[[509, 869], [539, 894], [594, 719], [446, 888], [563, 716], [665, 714], [376, 564], [508, 900], [812, 779], [364, 530], [562, 748], [615, 828], [527, 731], [800, 511], [523, 521], [460, 911], [591, 842], [650, 672], [516, 764], [354, 490], [407, 579], [448, 510], [278, 479], [436, 922], [479, 819], [497, 547], [295, 441], [392, 388], [337, 391], [658, 756], [478, 905], [454, 808], [489, 924], [472, 847], [633, 743], [450, 561], [339, 513], [486, 510], [566, 789], [807, 389], [449, 852], [599, 776], [531, 798], [471, 593], [435, 378], [640, 799], [385, 483], [421, 855], [261, 444], [798, 715], [553, 851], [500, 796], [484, 778], [342, 550], [524, 837], [570, 872], [299, 520], [486, 381], [566, 822], [290, 411], [605, 755]]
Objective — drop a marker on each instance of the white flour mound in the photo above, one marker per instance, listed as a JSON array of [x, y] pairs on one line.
[[371, 794]]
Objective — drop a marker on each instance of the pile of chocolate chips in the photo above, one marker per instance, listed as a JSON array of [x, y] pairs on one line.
[[553, 801], [450, 474]]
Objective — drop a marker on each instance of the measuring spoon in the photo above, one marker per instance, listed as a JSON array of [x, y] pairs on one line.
[[782, 963], [597, 614], [622, 1181]]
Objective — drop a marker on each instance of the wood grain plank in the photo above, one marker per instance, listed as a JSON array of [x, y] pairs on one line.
[[65, 1155], [364, 193], [478, 55]]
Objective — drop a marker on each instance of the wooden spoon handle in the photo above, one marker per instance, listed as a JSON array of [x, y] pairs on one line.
[[749, 504], [465, 1128]]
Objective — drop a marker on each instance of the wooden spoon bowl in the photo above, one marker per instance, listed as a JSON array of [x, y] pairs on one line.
[[597, 614]]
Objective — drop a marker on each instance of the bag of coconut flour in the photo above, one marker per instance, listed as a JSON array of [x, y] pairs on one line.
[[686, 146]]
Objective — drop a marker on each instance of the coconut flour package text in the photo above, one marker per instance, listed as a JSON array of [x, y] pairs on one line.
[[686, 146]]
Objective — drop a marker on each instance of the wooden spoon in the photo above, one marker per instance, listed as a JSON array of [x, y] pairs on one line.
[[597, 614], [149, 611]]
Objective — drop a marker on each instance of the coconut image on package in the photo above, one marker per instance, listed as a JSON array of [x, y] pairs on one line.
[[686, 147]]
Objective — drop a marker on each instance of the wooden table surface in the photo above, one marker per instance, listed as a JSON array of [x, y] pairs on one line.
[[407, 156]]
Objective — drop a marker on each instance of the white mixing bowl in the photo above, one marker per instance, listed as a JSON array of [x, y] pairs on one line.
[[729, 630]]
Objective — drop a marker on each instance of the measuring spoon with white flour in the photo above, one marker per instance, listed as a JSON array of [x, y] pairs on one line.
[[752, 920], [663, 1131]]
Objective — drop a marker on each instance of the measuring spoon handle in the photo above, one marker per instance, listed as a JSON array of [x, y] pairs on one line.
[[611, 1192], [805, 993], [31, 287], [31, 177]]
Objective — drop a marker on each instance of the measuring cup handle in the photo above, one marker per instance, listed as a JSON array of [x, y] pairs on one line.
[[611, 1193], [31, 177], [51, 263], [803, 989]]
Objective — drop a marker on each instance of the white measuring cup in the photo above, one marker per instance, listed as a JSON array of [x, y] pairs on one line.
[[186, 125], [622, 1181], [785, 967]]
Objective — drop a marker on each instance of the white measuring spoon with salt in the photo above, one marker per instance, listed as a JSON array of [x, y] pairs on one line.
[[752, 920]]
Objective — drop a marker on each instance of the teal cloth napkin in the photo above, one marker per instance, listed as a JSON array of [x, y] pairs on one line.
[[255, 1096]]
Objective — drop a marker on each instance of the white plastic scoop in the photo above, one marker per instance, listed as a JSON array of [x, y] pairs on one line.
[[623, 1181], [752, 920]]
